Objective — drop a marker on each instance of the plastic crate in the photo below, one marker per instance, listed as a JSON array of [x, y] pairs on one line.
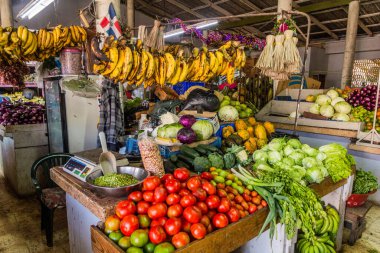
[[181, 88], [132, 147], [223, 125]]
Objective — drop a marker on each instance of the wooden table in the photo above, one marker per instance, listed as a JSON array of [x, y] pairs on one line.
[[237, 234], [318, 130]]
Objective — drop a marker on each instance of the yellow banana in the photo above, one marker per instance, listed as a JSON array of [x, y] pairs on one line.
[[213, 60], [174, 79], [150, 68], [238, 58], [29, 41], [119, 66], [184, 72], [143, 65], [136, 65], [243, 58], [230, 74], [14, 37], [224, 68], [171, 64], [114, 57], [128, 63], [163, 70], [83, 33]]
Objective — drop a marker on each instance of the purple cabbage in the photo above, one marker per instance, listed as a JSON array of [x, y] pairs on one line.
[[186, 136], [187, 120]]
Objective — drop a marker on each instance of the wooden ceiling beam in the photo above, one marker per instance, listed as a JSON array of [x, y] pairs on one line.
[[362, 25], [251, 5], [154, 9], [185, 8]]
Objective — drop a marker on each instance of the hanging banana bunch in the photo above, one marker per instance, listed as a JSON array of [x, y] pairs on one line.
[[20, 44], [136, 65]]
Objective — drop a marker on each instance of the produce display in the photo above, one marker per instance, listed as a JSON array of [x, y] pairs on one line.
[[133, 63], [20, 44], [13, 74], [115, 180], [249, 134], [365, 97], [231, 109], [18, 97], [21, 113], [330, 105], [172, 211], [364, 182]]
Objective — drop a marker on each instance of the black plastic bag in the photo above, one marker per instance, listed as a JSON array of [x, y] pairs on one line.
[[202, 100]]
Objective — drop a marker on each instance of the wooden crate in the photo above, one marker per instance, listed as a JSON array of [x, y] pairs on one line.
[[278, 112], [21, 145], [293, 93]]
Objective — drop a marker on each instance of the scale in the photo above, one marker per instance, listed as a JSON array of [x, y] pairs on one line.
[[80, 168]]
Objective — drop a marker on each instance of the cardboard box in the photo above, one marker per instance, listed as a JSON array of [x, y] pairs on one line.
[[310, 83]]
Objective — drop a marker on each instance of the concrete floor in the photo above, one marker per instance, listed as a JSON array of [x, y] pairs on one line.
[[20, 225]]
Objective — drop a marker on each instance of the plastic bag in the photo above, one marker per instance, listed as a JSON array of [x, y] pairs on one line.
[[201, 99], [150, 155]]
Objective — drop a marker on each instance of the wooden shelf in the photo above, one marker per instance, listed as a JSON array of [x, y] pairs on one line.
[[318, 130], [366, 149]]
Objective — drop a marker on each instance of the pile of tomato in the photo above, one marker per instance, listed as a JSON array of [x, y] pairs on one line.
[[170, 212]]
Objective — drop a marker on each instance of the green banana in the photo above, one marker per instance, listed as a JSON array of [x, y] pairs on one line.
[[331, 249], [325, 226]]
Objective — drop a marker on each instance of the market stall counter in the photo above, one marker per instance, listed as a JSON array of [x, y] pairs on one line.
[[86, 210]]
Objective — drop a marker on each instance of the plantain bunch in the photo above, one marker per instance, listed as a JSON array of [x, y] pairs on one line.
[[20, 44], [121, 62]]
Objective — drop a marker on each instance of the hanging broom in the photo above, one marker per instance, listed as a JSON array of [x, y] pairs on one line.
[[278, 64], [265, 59]]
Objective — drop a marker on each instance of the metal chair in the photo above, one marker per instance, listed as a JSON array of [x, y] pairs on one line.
[[49, 194]]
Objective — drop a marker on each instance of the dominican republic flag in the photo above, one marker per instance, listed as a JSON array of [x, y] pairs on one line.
[[110, 24]]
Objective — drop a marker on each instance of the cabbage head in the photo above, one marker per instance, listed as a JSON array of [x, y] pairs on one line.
[[321, 156], [275, 146], [343, 107], [336, 100], [324, 171], [274, 157], [309, 150], [332, 94], [309, 162], [323, 100], [314, 175], [341, 117], [228, 113], [297, 172], [260, 156], [327, 111], [288, 149], [288, 161], [315, 108], [297, 156], [203, 129], [169, 130], [295, 143]]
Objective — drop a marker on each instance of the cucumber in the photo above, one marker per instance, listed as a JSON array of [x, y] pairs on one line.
[[173, 158], [169, 166], [181, 164], [186, 159], [201, 150], [189, 152], [211, 149]]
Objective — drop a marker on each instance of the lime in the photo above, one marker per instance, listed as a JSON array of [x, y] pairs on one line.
[[149, 247], [108, 231], [134, 250], [165, 247], [243, 106], [139, 238], [115, 236], [125, 242]]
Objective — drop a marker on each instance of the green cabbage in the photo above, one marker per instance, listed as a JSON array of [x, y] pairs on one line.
[[315, 108], [343, 107], [288, 161], [203, 129], [169, 130], [288, 150], [274, 157], [323, 100], [309, 150], [336, 100], [320, 156], [332, 94], [314, 175], [228, 113], [341, 117], [309, 162], [297, 172], [260, 156], [327, 111], [295, 143], [297, 157]]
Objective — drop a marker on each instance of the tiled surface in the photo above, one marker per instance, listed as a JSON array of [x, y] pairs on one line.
[[20, 225]]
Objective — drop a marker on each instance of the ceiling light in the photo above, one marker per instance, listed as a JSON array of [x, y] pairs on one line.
[[33, 8], [197, 26]]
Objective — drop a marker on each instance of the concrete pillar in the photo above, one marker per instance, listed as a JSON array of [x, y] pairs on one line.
[[131, 13], [102, 10], [284, 5], [349, 51], [6, 13]]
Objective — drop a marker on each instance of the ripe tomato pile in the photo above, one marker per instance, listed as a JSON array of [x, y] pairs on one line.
[[178, 208]]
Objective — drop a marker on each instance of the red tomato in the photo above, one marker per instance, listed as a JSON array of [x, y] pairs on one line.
[[207, 175], [194, 183], [148, 196], [157, 234], [184, 192], [205, 220], [175, 211], [185, 225], [173, 198], [180, 240], [159, 222], [264, 203], [129, 224], [221, 193], [173, 185], [213, 201], [198, 230], [192, 214], [202, 206], [144, 220], [233, 215], [142, 207], [247, 197], [200, 194], [252, 208], [160, 194], [220, 220], [150, 183], [135, 196], [182, 174], [166, 177], [208, 187], [224, 206], [188, 200], [173, 226], [157, 211], [125, 207], [211, 214]]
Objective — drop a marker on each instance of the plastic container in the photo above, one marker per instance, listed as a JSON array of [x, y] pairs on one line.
[[71, 61], [356, 200], [181, 88]]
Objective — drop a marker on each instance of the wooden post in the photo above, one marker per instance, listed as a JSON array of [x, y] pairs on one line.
[[349, 52], [6, 13], [131, 14]]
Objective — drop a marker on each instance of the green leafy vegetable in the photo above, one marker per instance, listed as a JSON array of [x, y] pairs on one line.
[[364, 182], [216, 160]]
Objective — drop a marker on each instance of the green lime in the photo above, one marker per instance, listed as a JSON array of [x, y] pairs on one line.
[[139, 238], [108, 231], [134, 249], [149, 247], [115, 236], [125, 242], [165, 247]]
